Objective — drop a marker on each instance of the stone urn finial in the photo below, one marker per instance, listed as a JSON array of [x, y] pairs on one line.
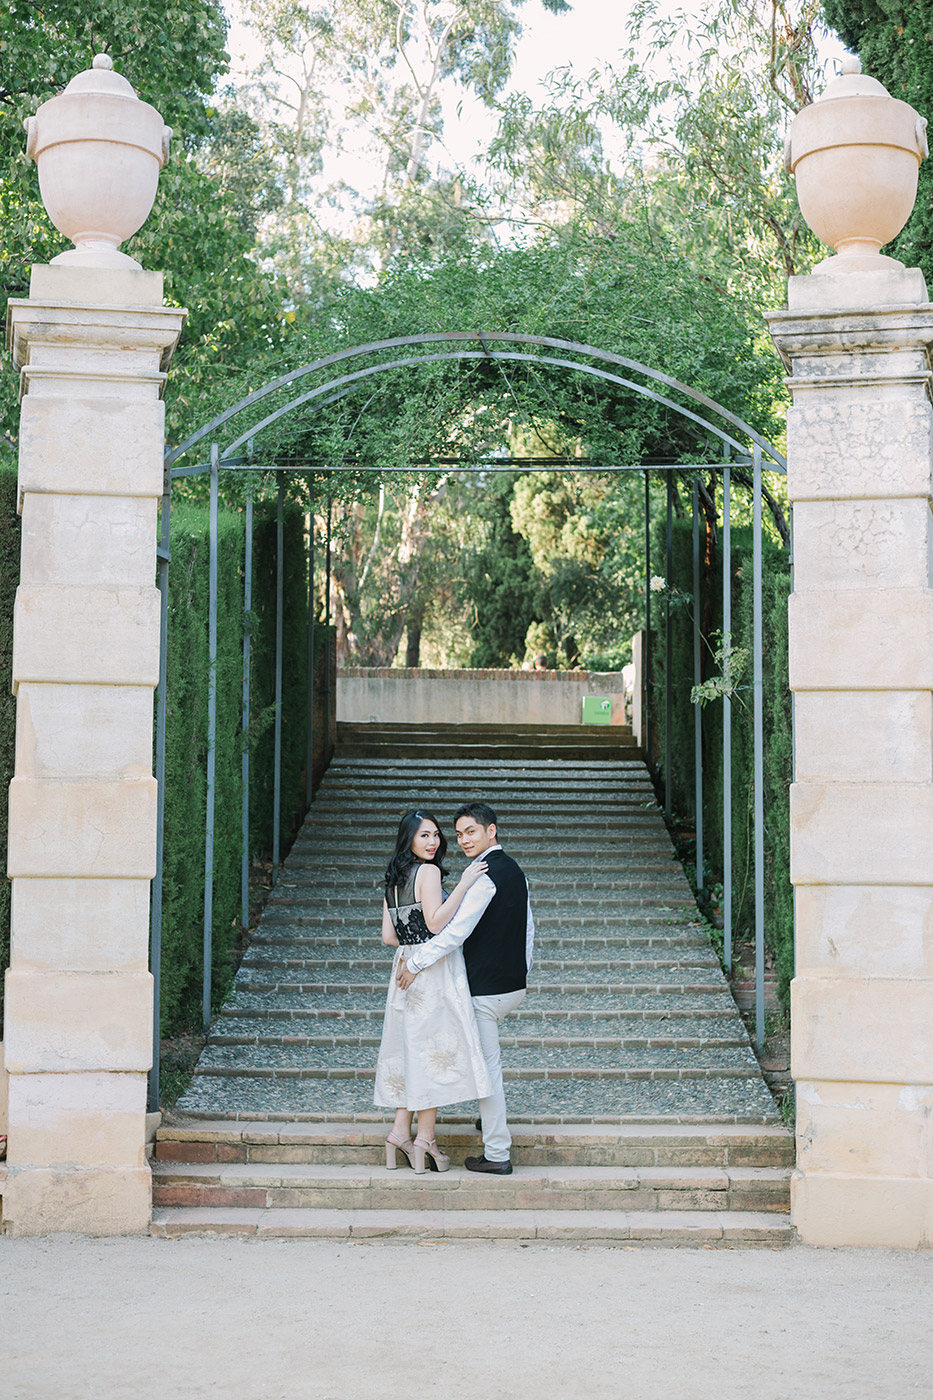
[[855, 153], [99, 151]]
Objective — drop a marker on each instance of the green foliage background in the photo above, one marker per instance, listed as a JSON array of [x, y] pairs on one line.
[[894, 39], [186, 728]]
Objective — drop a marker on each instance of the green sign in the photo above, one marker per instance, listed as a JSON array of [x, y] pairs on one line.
[[597, 709]]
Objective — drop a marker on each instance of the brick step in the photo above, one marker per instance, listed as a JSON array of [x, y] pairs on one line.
[[512, 753], [596, 735], [716, 1229], [372, 1001], [329, 969], [516, 828], [366, 1029], [585, 1099], [294, 1185], [579, 985], [646, 924], [284, 937], [637, 1144], [316, 894], [647, 912], [523, 1061]]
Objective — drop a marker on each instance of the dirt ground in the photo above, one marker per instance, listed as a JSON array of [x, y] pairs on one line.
[[132, 1319]]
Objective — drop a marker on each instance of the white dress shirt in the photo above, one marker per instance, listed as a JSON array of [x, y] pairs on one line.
[[472, 908]]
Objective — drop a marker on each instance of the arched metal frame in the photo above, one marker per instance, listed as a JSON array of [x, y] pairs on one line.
[[332, 391]]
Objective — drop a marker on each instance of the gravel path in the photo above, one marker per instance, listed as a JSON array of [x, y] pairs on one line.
[[200, 1319]]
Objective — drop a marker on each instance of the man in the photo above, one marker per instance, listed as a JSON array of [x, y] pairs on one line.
[[495, 928]]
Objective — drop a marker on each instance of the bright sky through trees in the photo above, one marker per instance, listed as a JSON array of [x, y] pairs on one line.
[[594, 33]]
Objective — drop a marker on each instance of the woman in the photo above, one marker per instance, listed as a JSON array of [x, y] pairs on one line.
[[430, 1053]]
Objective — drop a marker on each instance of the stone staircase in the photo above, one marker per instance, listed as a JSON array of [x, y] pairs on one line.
[[638, 1109]]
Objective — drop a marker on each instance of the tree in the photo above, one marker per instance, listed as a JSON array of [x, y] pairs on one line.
[[698, 152], [893, 40], [172, 51], [633, 297], [391, 60]]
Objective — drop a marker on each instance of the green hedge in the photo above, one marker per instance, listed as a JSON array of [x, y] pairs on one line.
[[186, 735], [186, 728], [779, 921]]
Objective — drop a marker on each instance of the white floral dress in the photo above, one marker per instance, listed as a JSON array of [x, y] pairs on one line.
[[430, 1053]]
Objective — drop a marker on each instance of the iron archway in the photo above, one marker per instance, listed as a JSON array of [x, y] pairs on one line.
[[751, 452]]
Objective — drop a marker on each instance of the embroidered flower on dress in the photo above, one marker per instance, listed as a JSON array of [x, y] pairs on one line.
[[392, 1078], [440, 1055]]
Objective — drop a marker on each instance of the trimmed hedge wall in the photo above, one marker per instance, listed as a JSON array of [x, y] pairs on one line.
[[186, 734], [186, 730], [779, 917]]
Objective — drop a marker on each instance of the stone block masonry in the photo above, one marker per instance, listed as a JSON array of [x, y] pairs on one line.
[[858, 348], [92, 348]]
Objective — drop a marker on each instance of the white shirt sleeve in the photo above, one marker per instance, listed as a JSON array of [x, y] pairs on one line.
[[529, 935], [453, 935]]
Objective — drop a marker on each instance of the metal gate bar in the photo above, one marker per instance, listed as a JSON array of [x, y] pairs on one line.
[[211, 745], [727, 720], [668, 652], [759, 762], [279, 627], [697, 709], [247, 676], [309, 747]]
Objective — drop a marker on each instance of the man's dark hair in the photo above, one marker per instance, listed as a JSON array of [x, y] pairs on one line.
[[480, 812]]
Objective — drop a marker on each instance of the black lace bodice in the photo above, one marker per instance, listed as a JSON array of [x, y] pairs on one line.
[[407, 914]]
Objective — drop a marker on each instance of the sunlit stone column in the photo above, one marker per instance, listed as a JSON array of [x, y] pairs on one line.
[[857, 340], [92, 344]]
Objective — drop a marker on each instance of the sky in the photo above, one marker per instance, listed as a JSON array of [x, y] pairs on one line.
[[593, 33]]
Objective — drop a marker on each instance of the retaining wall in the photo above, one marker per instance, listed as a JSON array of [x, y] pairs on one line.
[[399, 695]]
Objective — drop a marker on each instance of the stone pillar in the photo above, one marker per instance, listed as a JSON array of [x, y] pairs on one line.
[[92, 346], [858, 348]]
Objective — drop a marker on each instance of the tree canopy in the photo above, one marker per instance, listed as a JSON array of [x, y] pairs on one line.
[[893, 39]]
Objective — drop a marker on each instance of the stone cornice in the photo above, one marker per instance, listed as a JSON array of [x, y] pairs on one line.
[[884, 330], [71, 325]]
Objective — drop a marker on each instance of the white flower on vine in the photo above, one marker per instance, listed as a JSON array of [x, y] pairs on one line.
[[658, 584]]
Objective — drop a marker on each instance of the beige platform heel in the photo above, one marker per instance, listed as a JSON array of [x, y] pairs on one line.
[[430, 1152], [394, 1145]]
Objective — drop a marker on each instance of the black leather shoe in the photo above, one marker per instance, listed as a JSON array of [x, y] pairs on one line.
[[480, 1164]]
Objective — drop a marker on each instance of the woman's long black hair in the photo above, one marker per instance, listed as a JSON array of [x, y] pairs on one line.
[[403, 857]]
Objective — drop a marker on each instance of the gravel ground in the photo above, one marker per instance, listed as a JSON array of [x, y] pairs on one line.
[[141, 1319]]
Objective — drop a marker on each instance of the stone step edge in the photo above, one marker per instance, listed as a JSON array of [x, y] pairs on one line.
[[740, 1228], [717, 1120], [633, 1131], [523, 1075], [537, 1042], [568, 1177]]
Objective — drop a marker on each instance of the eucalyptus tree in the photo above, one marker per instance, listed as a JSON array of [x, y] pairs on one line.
[[684, 133], [348, 96]]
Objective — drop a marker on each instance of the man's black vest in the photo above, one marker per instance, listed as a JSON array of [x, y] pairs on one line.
[[494, 953]]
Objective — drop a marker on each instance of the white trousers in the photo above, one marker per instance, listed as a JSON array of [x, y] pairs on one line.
[[489, 1012]]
